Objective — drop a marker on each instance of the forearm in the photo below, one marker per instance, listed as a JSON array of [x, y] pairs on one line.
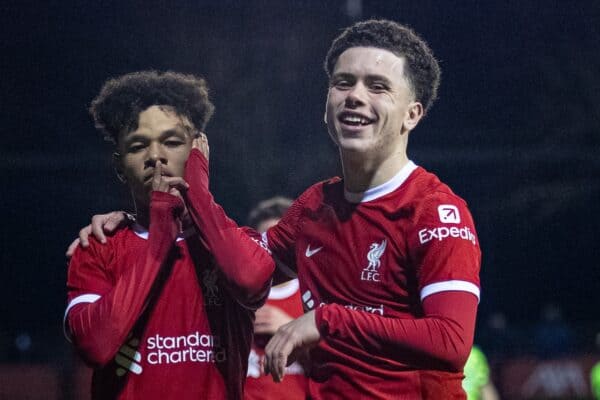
[[444, 334], [246, 265], [98, 329]]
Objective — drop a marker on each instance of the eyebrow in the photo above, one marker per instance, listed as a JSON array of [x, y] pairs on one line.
[[163, 135]]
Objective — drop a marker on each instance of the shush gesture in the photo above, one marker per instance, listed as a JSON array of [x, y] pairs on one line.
[[171, 184]]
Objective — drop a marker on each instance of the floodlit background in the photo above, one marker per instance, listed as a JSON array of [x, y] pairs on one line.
[[516, 132]]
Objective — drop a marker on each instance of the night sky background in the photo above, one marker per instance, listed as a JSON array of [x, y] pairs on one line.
[[516, 130]]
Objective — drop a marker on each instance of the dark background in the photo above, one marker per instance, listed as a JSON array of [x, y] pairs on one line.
[[516, 131]]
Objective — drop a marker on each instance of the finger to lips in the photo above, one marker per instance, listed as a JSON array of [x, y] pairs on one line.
[[156, 178]]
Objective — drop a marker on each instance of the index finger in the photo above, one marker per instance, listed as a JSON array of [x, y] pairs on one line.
[[156, 177]]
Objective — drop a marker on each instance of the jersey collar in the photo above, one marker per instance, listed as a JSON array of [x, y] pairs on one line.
[[383, 189]]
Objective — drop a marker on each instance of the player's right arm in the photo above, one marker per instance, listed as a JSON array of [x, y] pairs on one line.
[[102, 310]]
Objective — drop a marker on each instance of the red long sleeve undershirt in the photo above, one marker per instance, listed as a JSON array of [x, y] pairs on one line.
[[242, 260], [445, 333], [98, 329]]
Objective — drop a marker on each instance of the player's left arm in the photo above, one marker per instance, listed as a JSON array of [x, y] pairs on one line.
[[246, 265], [444, 336]]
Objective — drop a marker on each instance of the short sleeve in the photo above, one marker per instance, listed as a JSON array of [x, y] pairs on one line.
[[444, 246]]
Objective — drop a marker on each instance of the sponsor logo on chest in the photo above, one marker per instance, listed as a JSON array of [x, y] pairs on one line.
[[193, 348]]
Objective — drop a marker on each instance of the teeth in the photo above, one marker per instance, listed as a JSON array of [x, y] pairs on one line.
[[355, 119]]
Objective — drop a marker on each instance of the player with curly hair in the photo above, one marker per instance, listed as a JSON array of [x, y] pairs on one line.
[[152, 311]]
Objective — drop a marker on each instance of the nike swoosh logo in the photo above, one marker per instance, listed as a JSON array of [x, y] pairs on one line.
[[310, 253]]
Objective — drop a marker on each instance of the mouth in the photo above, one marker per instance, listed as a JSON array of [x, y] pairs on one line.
[[354, 119]]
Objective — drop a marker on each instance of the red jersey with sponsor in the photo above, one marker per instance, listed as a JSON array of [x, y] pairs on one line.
[[380, 252], [294, 385], [192, 338]]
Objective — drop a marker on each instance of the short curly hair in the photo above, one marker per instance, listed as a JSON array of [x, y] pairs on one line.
[[121, 100], [422, 69], [272, 208]]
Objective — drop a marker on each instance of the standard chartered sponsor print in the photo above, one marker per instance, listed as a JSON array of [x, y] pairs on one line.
[[195, 347]]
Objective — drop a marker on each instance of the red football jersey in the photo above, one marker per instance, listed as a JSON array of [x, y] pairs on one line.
[[192, 339], [381, 252], [294, 385]]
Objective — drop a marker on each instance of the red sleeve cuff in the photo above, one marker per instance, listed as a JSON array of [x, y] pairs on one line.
[[164, 200]]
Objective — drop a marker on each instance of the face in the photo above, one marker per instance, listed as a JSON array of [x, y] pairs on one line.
[[370, 105], [161, 135]]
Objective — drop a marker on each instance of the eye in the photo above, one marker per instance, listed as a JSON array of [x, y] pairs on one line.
[[342, 84], [135, 148], [378, 87], [173, 143]]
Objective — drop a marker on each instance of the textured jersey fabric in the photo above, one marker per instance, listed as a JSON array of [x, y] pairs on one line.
[[369, 267]]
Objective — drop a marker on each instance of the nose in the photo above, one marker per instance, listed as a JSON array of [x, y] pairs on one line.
[[155, 154], [356, 95]]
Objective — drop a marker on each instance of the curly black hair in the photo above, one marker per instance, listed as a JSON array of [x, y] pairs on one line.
[[422, 69], [274, 207], [121, 100]]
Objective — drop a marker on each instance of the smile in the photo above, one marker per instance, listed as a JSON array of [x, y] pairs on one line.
[[354, 119]]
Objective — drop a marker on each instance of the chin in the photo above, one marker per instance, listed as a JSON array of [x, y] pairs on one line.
[[353, 145]]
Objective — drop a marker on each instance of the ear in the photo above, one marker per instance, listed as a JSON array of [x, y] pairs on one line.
[[116, 161], [414, 114], [325, 113]]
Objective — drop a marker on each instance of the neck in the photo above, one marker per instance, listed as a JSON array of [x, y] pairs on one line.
[[362, 172]]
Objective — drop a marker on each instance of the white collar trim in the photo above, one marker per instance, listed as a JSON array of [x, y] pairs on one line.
[[383, 189], [143, 233], [284, 290]]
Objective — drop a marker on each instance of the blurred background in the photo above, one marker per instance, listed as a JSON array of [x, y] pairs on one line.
[[516, 132]]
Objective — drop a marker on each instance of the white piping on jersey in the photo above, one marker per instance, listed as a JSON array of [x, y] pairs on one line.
[[284, 290], [143, 233], [383, 189], [446, 286], [84, 298]]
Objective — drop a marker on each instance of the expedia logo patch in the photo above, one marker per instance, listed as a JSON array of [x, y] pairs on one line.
[[448, 214]]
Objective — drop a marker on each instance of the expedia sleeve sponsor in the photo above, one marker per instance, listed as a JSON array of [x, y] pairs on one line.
[[442, 232]]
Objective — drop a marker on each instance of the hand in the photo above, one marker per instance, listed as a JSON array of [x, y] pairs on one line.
[[170, 184], [101, 224], [269, 319], [201, 143], [289, 340]]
